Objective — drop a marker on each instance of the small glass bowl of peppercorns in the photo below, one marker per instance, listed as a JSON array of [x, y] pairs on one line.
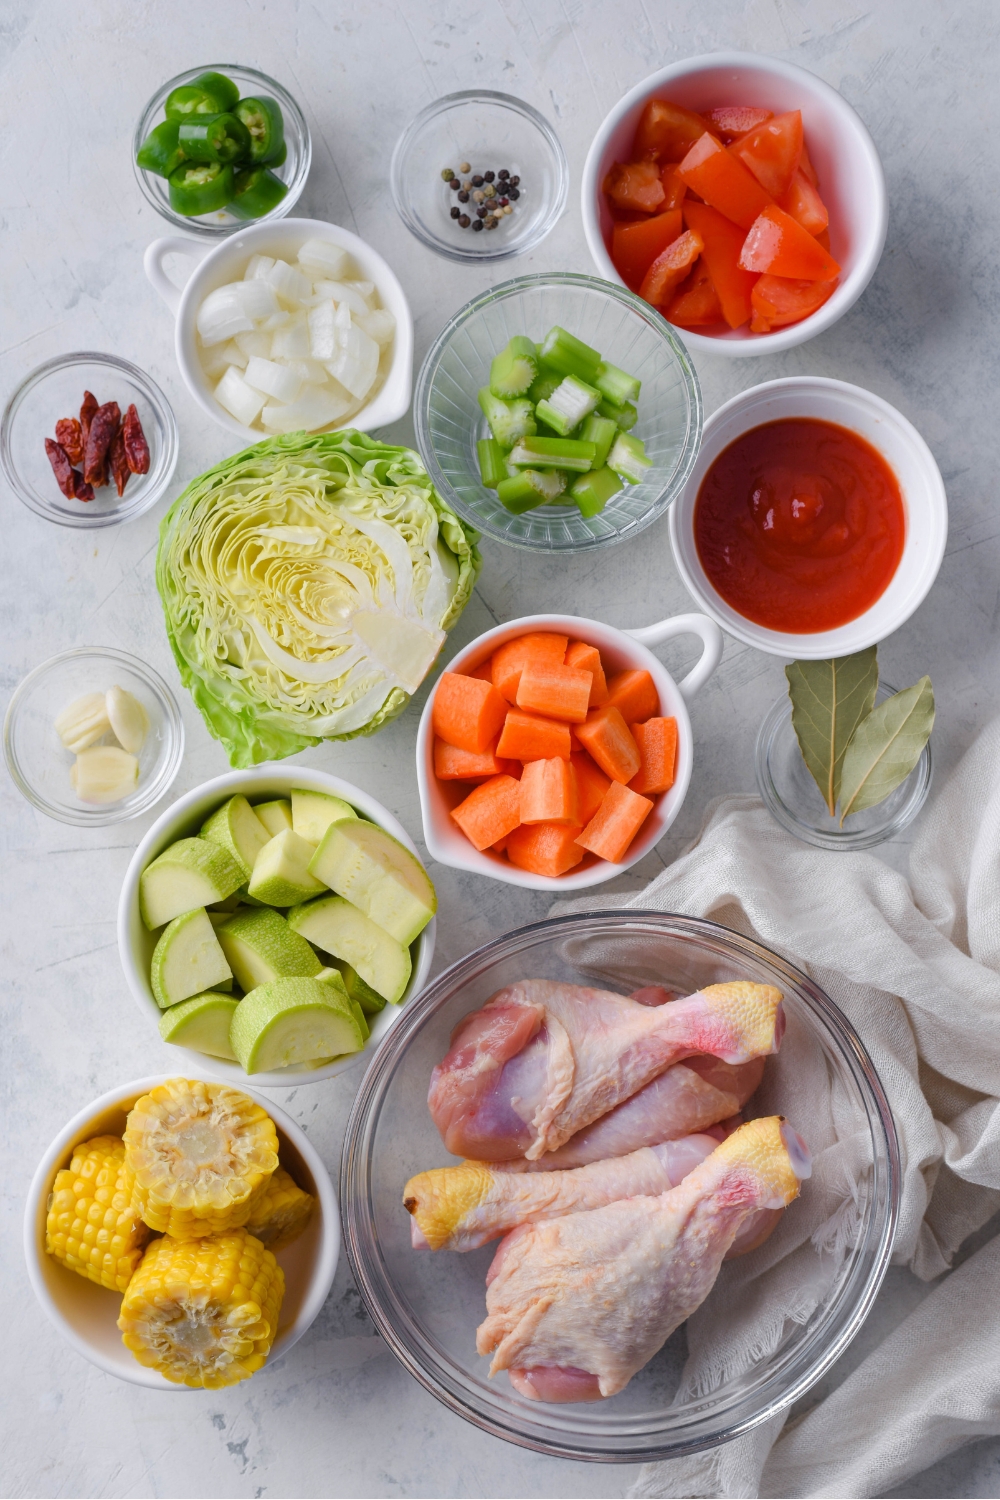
[[497, 198]]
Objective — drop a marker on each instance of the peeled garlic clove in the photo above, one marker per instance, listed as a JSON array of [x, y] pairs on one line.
[[104, 774], [129, 720], [83, 721]]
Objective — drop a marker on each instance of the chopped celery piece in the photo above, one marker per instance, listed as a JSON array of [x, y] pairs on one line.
[[492, 463], [542, 386], [625, 416], [600, 431], [553, 453], [514, 368], [570, 402], [531, 488], [509, 420], [615, 385], [628, 458], [560, 351], [593, 491]]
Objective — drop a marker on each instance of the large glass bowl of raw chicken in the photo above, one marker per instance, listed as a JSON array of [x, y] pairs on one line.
[[620, 1186]]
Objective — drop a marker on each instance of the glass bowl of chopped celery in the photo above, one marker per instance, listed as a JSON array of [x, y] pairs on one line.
[[558, 412]]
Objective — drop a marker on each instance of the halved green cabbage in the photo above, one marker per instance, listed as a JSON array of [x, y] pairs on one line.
[[307, 585]]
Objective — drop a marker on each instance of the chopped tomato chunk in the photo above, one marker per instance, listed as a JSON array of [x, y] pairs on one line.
[[670, 268], [779, 300], [674, 186], [723, 243], [635, 185], [634, 247], [723, 181], [779, 245], [772, 152], [733, 120], [667, 130], [806, 166], [804, 204], [696, 302]]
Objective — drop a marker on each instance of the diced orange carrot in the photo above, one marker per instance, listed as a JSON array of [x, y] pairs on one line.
[[634, 695], [548, 793], [776, 243], [484, 670], [452, 764], [667, 130], [509, 660], [544, 848], [468, 713], [616, 823], [501, 844], [557, 692], [723, 244], [490, 812], [530, 737], [606, 738], [733, 120], [635, 184], [634, 247], [670, 268], [803, 202], [723, 181], [591, 784], [579, 654], [772, 151], [780, 300], [657, 742]]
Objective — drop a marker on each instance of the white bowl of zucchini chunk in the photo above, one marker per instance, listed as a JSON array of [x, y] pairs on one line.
[[273, 923]]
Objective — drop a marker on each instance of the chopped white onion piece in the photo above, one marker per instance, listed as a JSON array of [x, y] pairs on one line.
[[216, 360], [310, 371], [320, 258], [239, 399], [355, 364], [379, 325], [291, 341], [323, 331], [257, 265], [222, 315], [290, 285], [365, 289], [273, 379], [316, 407], [279, 319], [254, 343], [343, 291], [256, 297]]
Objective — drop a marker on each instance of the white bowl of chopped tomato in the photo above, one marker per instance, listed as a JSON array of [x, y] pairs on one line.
[[555, 752], [742, 196]]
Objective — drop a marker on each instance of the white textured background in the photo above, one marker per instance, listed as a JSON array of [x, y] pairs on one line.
[[338, 1416]]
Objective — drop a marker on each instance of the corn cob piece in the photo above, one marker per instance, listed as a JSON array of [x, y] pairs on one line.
[[91, 1226], [199, 1157], [204, 1312], [282, 1213]]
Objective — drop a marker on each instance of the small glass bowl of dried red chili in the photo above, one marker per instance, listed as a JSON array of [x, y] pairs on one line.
[[55, 392], [292, 168]]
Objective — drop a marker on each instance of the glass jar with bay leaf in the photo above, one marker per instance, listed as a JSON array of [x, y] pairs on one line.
[[843, 761]]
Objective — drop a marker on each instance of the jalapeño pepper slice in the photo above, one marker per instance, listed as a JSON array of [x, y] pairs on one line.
[[161, 152], [198, 187], [257, 192], [214, 138], [208, 94], [263, 119]]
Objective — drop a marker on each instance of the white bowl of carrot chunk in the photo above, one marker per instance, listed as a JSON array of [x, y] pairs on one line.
[[554, 751]]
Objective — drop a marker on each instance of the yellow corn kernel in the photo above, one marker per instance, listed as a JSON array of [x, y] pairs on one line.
[[91, 1225], [204, 1312], [199, 1157], [283, 1212]]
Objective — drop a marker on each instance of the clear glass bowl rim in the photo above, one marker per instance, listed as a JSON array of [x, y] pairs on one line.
[[157, 786], [867, 838], [442, 106], [853, 1300], [147, 122], [85, 520], [543, 279]]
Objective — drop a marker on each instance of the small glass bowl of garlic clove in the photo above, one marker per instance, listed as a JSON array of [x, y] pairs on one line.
[[93, 736]]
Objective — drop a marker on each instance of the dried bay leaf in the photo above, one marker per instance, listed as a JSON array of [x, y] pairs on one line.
[[886, 747], [829, 701]]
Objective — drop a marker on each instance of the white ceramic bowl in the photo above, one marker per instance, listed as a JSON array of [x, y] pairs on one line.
[[620, 650], [86, 1315], [840, 148], [182, 820], [904, 450], [225, 262]]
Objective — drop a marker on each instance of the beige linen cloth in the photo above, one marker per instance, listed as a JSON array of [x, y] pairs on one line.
[[916, 967]]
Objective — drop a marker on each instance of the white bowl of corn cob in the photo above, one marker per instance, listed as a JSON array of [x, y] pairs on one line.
[[80, 1286]]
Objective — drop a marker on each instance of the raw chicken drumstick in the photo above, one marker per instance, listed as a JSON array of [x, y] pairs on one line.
[[577, 1305], [461, 1208], [541, 1060]]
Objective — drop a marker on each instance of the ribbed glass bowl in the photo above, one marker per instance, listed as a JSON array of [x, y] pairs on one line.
[[629, 333], [427, 1306], [293, 171]]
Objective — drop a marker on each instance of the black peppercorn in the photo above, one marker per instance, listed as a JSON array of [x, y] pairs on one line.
[[489, 176], [477, 181], [514, 181], [455, 212], [454, 184], [463, 196], [503, 174], [477, 223], [513, 192], [464, 221], [481, 212]]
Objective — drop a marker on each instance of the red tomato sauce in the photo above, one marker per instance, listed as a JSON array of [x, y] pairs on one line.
[[800, 525]]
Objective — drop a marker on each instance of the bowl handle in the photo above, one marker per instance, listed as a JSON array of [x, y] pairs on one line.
[[699, 625], [152, 264]]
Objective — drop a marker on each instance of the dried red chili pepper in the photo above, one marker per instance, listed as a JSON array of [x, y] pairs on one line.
[[69, 435], [118, 462], [103, 427], [69, 480], [87, 410], [136, 447]]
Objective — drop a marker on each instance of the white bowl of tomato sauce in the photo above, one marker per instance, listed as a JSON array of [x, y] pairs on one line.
[[814, 521], [840, 154]]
